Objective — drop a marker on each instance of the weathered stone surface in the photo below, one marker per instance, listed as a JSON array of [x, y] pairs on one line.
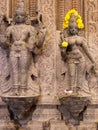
[[51, 86], [20, 108], [4, 114], [58, 125], [87, 126], [91, 114], [7, 125], [46, 113], [34, 125], [73, 107]]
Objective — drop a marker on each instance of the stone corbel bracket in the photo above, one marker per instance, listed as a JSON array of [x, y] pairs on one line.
[[73, 107]]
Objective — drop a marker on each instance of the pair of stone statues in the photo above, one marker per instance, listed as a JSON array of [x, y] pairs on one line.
[[24, 42]]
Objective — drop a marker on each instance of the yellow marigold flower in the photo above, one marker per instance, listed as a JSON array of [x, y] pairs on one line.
[[65, 25], [67, 17], [73, 11], [79, 17], [66, 22], [80, 26], [79, 21], [64, 44]]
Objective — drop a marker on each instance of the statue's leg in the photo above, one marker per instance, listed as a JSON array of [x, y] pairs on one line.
[[72, 75], [15, 72], [23, 67], [80, 74]]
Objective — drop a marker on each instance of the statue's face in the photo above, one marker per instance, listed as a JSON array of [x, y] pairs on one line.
[[20, 17], [73, 30]]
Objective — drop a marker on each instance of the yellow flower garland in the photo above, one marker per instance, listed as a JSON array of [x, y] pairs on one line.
[[78, 19]]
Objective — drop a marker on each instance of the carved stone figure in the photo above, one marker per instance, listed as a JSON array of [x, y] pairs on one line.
[[25, 43], [73, 55]]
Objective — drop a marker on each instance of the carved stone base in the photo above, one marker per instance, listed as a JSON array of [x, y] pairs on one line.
[[46, 113], [72, 108], [20, 108]]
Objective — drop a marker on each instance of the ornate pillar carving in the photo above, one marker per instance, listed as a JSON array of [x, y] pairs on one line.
[[47, 109], [91, 24], [47, 61], [31, 7], [75, 4], [3, 7], [62, 9]]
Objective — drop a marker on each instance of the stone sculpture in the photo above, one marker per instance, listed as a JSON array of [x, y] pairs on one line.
[[72, 48], [24, 42]]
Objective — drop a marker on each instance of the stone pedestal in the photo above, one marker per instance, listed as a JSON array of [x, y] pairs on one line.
[[20, 108], [72, 107]]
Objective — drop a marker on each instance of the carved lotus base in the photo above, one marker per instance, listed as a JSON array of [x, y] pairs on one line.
[[72, 107], [20, 107]]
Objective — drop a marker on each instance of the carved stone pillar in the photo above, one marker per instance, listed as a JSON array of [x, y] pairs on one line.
[[47, 60], [75, 4], [91, 25], [47, 110], [3, 7], [62, 9]]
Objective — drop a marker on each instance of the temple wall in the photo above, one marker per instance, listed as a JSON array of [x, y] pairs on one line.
[[49, 62]]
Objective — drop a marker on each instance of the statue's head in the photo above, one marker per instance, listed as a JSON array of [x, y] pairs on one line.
[[73, 22], [73, 27], [20, 13], [20, 16]]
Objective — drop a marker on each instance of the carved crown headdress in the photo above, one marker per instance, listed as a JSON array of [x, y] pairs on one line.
[[72, 21], [20, 6]]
